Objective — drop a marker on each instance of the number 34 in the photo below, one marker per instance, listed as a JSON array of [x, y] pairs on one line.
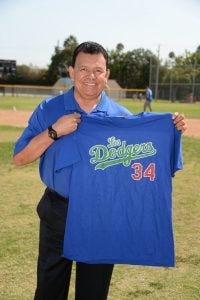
[[139, 173]]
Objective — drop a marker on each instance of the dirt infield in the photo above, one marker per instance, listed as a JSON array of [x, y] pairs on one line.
[[20, 118]]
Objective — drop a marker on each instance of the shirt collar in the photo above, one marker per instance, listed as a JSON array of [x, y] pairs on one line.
[[71, 104]]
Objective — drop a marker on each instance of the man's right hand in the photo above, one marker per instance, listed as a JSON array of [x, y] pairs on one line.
[[38, 145], [67, 124]]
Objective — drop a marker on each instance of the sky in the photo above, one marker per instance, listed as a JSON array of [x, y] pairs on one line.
[[30, 29]]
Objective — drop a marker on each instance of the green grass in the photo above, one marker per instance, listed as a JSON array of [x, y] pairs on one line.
[[21, 190], [29, 103], [189, 110], [9, 133], [20, 102]]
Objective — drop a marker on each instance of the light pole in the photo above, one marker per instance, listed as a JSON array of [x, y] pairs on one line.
[[172, 57], [157, 73], [150, 70], [194, 77]]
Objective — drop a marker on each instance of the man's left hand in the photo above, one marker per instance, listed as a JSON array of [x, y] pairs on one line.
[[180, 121]]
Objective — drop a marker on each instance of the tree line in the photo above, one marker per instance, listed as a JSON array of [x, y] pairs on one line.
[[131, 69]]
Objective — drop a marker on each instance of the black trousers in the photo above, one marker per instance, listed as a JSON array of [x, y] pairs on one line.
[[54, 272]]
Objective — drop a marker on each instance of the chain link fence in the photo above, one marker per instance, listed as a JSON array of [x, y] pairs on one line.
[[180, 83]]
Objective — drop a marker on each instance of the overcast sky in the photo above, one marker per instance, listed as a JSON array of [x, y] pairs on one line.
[[30, 29]]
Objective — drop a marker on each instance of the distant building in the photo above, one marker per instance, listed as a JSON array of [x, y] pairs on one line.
[[114, 90], [62, 84], [7, 68]]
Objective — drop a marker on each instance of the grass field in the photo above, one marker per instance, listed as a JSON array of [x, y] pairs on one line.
[[191, 111], [29, 103], [21, 190], [20, 103]]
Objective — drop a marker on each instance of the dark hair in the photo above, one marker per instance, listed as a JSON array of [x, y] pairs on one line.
[[91, 48]]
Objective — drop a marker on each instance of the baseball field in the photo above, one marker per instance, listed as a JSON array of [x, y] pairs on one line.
[[21, 190]]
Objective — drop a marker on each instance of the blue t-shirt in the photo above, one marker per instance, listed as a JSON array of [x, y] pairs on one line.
[[149, 94], [45, 115], [120, 198]]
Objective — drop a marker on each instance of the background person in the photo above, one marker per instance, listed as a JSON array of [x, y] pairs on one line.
[[148, 101], [51, 120], [140, 96]]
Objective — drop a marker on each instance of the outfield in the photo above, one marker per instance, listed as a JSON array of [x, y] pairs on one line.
[[29, 103], [21, 190]]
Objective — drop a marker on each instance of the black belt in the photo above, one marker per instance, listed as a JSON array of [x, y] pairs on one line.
[[54, 193]]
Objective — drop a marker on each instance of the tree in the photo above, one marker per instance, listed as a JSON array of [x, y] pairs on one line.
[[171, 55], [70, 42], [198, 49], [130, 69], [61, 59], [120, 47]]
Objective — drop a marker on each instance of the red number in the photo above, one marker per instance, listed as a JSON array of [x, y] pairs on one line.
[[138, 171], [150, 172]]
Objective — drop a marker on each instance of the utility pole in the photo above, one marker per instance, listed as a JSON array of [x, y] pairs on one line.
[[157, 73], [170, 86], [150, 70], [194, 78], [171, 65]]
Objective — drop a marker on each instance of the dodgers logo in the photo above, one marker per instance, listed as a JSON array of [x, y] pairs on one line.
[[118, 152]]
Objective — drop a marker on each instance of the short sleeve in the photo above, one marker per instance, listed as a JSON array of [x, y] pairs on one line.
[[36, 125]]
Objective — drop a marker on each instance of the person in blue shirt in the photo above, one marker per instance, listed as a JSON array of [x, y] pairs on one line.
[[149, 98], [52, 119]]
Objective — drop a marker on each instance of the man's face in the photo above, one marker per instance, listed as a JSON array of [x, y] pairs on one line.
[[89, 75]]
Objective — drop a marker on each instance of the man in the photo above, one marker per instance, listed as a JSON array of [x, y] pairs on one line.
[[50, 121], [148, 101]]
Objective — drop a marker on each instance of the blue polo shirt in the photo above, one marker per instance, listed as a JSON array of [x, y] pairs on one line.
[[46, 114]]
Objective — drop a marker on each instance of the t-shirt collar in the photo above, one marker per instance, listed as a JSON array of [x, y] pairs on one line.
[[71, 104]]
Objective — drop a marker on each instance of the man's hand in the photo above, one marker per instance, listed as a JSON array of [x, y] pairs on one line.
[[38, 145], [180, 121], [67, 124]]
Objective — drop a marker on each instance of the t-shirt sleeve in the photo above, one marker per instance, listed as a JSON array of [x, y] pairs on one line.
[[36, 125], [176, 155]]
